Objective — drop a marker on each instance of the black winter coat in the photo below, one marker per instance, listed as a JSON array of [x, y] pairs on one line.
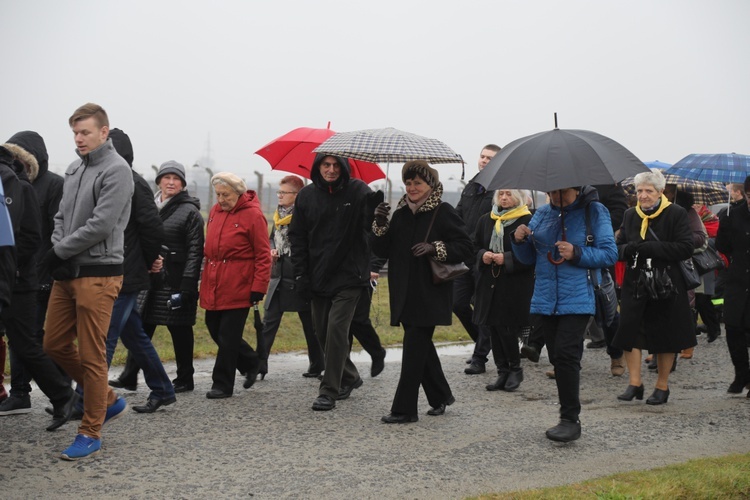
[[183, 235], [503, 294], [13, 194], [144, 236], [282, 288], [733, 240], [414, 299], [660, 326], [475, 201], [28, 238]]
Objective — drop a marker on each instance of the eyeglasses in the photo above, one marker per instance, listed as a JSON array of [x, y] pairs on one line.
[[283, 193]]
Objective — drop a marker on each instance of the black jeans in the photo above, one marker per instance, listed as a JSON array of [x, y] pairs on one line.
[[272, 321], [708, 313], [505, 348], [737, 344], [564, 337], [362, 329], [420, 366], [463, 291], [19, 320], [234, 354]]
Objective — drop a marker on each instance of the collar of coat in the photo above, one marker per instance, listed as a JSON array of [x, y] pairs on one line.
[[430, 204]]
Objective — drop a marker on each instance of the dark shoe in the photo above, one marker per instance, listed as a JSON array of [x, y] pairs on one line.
[[652, 364], [658, 397], [61, 414], [701, 329], [475, 368], [15, 405], [323, 403], [499, 382], [565, 431], [346, 390], [515, 377], [469, 361], [394, 418], [217, 394], [531, 353], [180, 387], [154, 404], [713, 336], [596, 344], [632, 392], [440, 409], [252, 376], [738, 385], [312, 373], [378, 364], [119, 384]]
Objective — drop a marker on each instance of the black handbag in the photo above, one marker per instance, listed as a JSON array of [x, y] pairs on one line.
[[443, 271], [604, 291], [689, 273], [707, 261]]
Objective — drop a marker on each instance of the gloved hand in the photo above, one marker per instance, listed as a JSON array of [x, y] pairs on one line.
[[648, 248], [629, 250], [256, 297], [188, 297], [302, 287], [381, 214], [423, 248]]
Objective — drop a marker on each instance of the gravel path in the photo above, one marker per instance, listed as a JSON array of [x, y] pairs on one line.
[[266, 442]]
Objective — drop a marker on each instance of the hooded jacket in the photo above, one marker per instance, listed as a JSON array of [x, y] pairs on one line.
[[144, 233], [238, 255], [329, 232], [13, 202], [94, 210], [567, 288], [28, 238], [48, 186]]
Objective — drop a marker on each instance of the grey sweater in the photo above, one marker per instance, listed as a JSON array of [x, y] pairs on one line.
[[94, 209]]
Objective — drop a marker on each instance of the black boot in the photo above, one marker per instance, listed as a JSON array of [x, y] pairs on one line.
[[514, 378], [499, 383], [128, 379]]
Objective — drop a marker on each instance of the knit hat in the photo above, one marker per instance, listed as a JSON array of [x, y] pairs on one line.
[[424, 170], [171, 167]]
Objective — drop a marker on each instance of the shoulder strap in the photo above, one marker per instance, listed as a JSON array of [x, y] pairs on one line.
[[432, 221]]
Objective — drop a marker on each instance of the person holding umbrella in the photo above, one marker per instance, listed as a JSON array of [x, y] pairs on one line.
[[422, 227], [563, 291], [236, 272]]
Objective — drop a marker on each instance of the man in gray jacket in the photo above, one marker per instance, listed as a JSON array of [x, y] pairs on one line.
[[86, 262]]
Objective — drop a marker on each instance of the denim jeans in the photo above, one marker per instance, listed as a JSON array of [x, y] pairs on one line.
[[126, 325]]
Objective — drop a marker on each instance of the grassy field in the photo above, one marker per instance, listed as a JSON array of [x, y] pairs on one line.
[[290, 337], [716, 478]]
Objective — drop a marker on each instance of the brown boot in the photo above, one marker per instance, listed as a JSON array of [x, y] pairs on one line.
[[617, 367], [550, 373], [687, 353]]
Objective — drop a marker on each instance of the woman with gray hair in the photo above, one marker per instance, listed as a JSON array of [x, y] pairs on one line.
[[504, 285], [654, 234], [236, 272]]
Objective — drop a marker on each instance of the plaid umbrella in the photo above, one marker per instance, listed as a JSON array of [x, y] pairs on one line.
[[388, 145], [704, 193], [714, 168]]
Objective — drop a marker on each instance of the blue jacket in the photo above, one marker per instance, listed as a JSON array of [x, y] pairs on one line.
[[567, 289]]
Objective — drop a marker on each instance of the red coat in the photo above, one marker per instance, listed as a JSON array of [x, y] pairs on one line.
[[238, 255]]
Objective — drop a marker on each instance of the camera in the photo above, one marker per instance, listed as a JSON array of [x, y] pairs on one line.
[[174, 302]]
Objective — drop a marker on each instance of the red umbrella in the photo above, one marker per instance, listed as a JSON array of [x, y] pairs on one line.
[[293, 152]]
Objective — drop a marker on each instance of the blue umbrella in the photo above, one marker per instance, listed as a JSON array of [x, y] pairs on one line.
[[716, 168]]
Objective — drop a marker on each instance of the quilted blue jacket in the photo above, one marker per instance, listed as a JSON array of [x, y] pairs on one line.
[[567, 289]]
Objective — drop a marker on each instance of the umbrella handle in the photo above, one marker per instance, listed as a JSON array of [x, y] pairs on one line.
[[553, 261]]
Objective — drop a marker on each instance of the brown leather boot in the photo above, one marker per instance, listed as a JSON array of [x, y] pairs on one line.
[[687, 353], [617, 367]]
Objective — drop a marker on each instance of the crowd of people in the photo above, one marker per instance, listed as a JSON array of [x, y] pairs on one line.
[[99, 257]]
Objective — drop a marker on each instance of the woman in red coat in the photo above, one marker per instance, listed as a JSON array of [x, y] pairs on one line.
[[235, 276]]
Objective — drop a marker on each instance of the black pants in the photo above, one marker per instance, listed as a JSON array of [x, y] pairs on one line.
[[505, 347], [226, 328], [420, 365], [737, 344], [362, 329], [463, 291], [564, 338], [183, 342], [19, 320], [708, 313], [272, 321]]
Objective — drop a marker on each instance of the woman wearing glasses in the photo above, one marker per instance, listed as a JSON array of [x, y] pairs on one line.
[[282, 295]]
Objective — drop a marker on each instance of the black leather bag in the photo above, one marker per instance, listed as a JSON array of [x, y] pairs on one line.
[[443, 271], [707, 261], [689, 273], [606, 298]]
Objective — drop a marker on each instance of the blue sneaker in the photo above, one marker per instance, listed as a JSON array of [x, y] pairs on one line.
[[116, 410], [82, 447]]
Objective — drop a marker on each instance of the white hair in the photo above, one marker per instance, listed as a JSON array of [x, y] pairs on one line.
[[655, 178]]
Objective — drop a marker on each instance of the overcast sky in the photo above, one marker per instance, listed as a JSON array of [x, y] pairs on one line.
[[663, 78]]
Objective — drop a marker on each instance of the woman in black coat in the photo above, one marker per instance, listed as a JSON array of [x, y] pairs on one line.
[[173, 297], [733, 239], [417, 303], [504, 285], [663, 326]]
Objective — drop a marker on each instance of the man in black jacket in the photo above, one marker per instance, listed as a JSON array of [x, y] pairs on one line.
[[331, 259], [475, 202]]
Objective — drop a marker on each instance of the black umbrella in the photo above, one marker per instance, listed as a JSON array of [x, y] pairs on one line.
[[559, 159]]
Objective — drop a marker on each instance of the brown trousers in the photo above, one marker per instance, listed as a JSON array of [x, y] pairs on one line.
[[81, 309]]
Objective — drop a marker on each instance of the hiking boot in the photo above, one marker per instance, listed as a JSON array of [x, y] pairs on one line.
[[15, 405]]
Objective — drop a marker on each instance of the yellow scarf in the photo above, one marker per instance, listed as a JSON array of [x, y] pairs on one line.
[[511, 214], [644, 223], [281, 221]]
